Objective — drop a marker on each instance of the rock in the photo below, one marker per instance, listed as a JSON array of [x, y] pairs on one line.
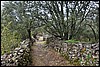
[[88, 46], [16, 57], [73, 57], [22, 42], [2, 57], [5, 55], [93, 44], [15, 54], [21, 50], [75, 50], [19, 53], [70, 52], [11, 55], [16, 49], [9, 59], [24, 46], [97, 64], [13, 58], [65, 49], [95, 56], [97, 48], [80, 45], [78, 54]]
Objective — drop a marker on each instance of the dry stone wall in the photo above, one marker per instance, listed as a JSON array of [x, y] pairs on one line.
[[18, 57], [85, 53]]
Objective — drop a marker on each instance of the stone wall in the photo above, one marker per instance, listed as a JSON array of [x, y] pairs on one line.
[[18, 57], [85, 53]]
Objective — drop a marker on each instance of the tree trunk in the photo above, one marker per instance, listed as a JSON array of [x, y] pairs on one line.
[[65, 36], [93, 31], [29, 33], [70, 37]]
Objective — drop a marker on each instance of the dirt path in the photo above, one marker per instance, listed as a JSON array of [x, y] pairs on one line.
[[46, 57]]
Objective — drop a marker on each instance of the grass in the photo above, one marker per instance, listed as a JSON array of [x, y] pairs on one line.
[[71, 41]]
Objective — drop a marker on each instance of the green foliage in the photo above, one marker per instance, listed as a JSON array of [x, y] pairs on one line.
[[9, 40], [71, 41], [39, 30], [80, 19]]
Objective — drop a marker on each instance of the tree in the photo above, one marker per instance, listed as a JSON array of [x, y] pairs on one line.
[[20, 13], [64, 19]]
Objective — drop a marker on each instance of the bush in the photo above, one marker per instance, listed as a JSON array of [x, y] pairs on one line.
[[9, 40]]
